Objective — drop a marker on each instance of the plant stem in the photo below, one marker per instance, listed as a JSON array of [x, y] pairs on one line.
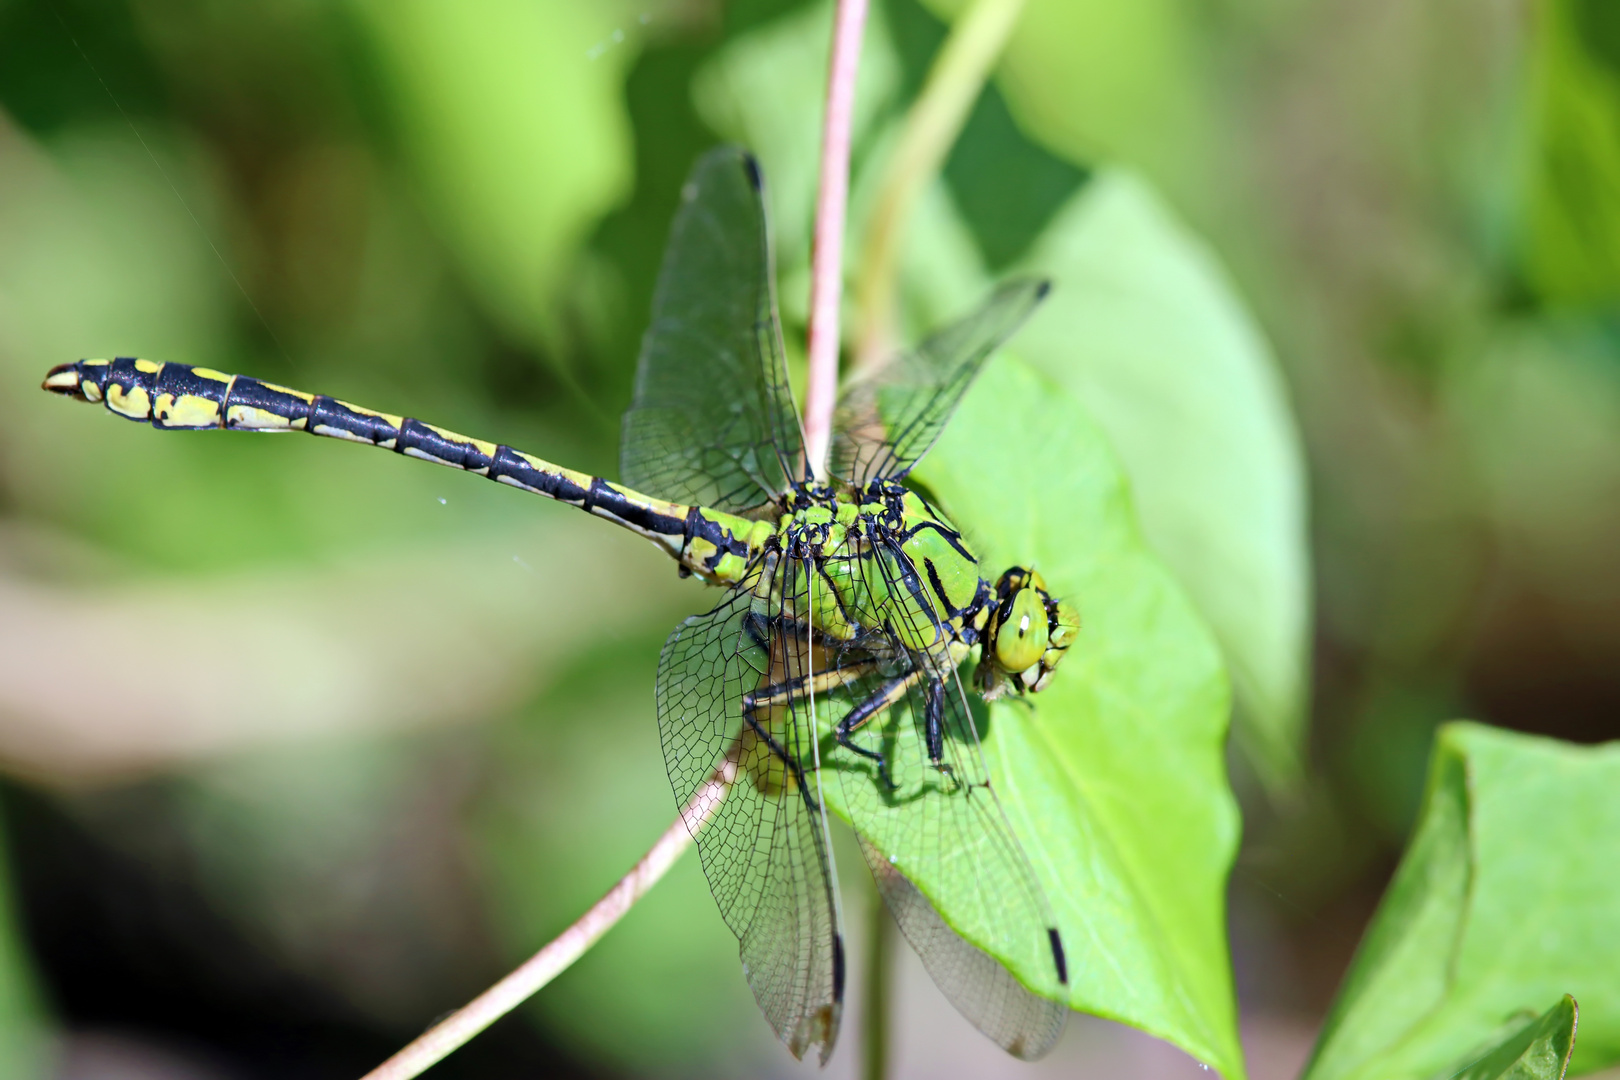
[[879, 949], [827, 252], [932, 125], [460, 1026]]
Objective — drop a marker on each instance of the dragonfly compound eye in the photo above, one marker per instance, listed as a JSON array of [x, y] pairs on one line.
[[1022, 638]]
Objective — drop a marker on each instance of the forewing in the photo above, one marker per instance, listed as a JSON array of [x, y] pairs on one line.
[[762, 837], [713, 420], [888, 420], [947, 831]]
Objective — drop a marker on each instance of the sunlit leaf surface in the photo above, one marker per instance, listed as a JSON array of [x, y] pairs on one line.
[[1144, 329], [1115, 778]]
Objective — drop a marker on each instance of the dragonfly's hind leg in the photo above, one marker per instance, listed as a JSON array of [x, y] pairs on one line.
[[858, 717], [790, 693], [934, 726], [782, 755]]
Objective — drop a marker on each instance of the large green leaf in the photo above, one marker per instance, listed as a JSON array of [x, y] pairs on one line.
[[1504, 900], [1115, 780], [511, 114], [1144, 328]]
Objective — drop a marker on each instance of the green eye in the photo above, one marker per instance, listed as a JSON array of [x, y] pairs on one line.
[[1022, 638]]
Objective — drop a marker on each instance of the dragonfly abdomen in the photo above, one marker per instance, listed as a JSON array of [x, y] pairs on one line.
[[179, 397]]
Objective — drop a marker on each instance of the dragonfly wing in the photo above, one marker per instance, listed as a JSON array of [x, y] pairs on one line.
[[713, 421], [944, 831], [888, 420], [1024, 1024], [763, 837]]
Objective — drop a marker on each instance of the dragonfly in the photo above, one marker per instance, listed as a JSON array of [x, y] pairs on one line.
[[830, 674]]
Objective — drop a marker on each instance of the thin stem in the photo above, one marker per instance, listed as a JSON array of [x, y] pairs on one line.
[[827, 253], [932, 125], [879, 949], [460, 1026]]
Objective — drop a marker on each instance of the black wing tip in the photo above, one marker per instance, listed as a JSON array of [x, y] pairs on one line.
[[1042, 287], [1058, 957], [838, 968], [751, 169]]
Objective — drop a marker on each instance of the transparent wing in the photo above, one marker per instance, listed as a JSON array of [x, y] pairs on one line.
[[763, 838], [944, 831], [888, 420], [1026, 1025], [713, 420]]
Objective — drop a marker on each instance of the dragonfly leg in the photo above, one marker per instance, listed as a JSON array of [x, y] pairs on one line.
[[788, 693], [781, 752], [886, 695], [934, 727]]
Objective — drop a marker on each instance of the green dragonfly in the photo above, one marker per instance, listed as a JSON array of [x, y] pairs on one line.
[[829, 673]]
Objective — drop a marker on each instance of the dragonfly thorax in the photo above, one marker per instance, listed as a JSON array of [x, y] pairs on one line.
[[879, 563]]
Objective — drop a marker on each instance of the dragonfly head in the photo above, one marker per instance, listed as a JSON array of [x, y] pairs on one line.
[[1027, 633]]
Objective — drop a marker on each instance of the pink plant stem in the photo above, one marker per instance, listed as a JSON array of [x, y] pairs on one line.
[[827, 252]]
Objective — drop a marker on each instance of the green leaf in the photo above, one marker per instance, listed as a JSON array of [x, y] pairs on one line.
[[1098, 80], [511, 114], [1571, 241], [1145, 330], [1504, 899], [1539, 1050], [1115, 780]]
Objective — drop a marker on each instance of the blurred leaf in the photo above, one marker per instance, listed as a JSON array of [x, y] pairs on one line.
[[1572, 213], [100, 256], [1005, 184], [24, 1047], [577, 795], [1504, 899], [343, 661], [1537, 411], [511, 113], [1093, 80], [1143, 327], [764, 90], [1115, 779], [1539, 1050], [333, 855]]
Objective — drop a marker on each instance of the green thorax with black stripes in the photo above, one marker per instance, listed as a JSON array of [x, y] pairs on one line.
[[881, 551]]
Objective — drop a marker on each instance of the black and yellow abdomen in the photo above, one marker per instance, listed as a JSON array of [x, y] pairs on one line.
[[179, 397]]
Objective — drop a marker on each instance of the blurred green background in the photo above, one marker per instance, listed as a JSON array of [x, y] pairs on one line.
[[303, 746]]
